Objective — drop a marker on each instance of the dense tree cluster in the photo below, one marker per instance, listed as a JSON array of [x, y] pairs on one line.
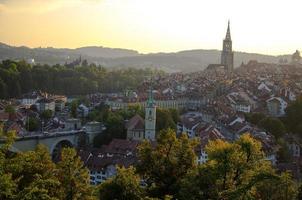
[[290, 123], [115, 121], [234, 171], [273, 125], [17, 78], [167, 170], [33, 175], [293, 118]]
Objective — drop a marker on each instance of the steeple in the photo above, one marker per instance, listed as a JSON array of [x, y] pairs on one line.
[[227, 55], [150, 101], [228, 34], [150, 115]]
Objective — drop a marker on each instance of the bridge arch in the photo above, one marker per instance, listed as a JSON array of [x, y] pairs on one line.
[[57, 147]]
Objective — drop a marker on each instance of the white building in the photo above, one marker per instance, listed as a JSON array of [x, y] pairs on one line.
[[207, 133], [188, 123], [46, 104], [276, 106], [103, 162], [83, 110]]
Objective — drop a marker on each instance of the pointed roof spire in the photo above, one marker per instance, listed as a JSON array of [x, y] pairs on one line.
[[228, 34], [150, 100]]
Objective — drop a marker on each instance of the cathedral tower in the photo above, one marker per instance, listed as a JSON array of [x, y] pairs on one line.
[[150, 117], [227, 55]]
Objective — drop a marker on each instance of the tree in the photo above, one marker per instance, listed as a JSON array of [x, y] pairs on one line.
[[281, 187], [73, 176], [200, 184], [73, 108], [175, 115], [239, 165], [164, 120], [274, 126], [299, 196], [284, 154], [40, 189], [293, 116], [164, 166], [46, 114], [233, 171], [32, 124], [7, 185], [3, 90], [125, 185], [254, 118], [10, 109], [31, 168], [115, 125]]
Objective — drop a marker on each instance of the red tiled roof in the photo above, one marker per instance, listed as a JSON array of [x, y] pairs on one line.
[[4, 116], [136, 123]]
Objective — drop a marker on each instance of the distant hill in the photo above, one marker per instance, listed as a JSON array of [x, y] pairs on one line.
[[105, 52], [186, 61]]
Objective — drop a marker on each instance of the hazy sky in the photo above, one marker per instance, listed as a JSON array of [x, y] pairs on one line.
[[263, 26]]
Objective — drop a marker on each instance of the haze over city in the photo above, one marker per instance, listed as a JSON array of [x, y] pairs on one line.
[[268, 27], [150, 99]]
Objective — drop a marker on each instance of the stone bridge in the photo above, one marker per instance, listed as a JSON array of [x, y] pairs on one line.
[[53, 141]]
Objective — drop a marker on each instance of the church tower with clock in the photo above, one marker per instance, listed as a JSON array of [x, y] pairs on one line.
[[227, 55], [150, 117]]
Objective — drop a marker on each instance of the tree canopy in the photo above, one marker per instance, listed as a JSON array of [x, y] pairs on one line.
[[17, 78]]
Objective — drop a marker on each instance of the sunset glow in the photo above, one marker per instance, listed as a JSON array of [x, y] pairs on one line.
[[270, 27]]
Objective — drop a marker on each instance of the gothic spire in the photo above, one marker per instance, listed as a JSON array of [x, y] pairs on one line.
[[228, 34]]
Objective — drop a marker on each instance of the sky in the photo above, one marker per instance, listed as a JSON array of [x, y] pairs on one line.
[[260, 26]]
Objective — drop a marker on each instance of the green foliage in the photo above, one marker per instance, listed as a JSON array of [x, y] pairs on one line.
[[165, 119], [284, 155], [164, 166], [294, 117], [114, 122], [32, 124], [46, 114], [73, 176], [125, 185], [254, 118], [237, 171], [40, 189], [273, 125], [33, 175], [175, 115], [7, 185], [27, 167], [17, 78], [10, 109], [299, 196], [200, 184], [280, 187], [73, 108], [237, 164]]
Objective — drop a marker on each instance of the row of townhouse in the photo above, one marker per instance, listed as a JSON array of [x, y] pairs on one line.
[[170, 103]]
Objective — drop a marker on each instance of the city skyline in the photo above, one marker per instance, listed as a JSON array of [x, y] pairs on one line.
[[152, 26]]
